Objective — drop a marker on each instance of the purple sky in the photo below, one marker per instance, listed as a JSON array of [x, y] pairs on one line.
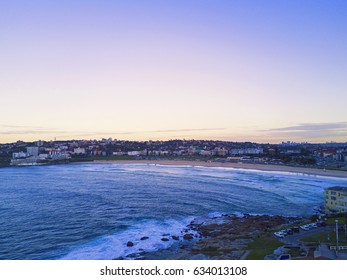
[[265, 71]]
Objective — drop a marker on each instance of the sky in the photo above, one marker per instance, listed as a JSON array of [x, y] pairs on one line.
[[262, 71]]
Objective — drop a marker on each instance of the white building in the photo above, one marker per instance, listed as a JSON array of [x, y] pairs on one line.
[[137, 153], [205, 153], [134, 153], [43, 156], [79, 151], [19, 155], [119, 153], [247, 151]]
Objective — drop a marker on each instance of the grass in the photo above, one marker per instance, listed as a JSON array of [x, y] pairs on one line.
[[322, 237], [265, 241], [331, 221], [262, 246], [319, 237], [112, 158], [91, 158], [259, 254]]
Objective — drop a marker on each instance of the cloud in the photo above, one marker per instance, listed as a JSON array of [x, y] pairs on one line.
[[100, 133], [30, 131], [23, 130], [21, 126], [307, 131], [313, 127], [70, 134], [186, 130]]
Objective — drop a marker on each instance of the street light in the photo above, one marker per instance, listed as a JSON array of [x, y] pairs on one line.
[[337, 234]]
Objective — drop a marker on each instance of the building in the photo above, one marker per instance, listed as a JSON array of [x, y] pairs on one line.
[[246, 151], [79, 151], [205, 153], [33, 151], [19, 155], [119, 153], [335, 200], [137, 153], [222, 152]]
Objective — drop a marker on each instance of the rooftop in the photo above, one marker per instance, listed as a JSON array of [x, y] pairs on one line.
[[337, 188]]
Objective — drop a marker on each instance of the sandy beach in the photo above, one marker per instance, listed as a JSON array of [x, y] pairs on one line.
[[261, 167]]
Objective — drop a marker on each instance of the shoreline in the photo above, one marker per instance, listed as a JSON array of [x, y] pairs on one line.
[[224, 237], [232, 165]]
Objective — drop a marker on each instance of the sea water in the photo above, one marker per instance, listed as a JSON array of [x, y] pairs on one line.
[[91, 211]]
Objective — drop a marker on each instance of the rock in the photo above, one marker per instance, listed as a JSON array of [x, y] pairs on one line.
[[187, 236], [175, 237], [130, 244], [166, 234], [165, 239], [144, 238]]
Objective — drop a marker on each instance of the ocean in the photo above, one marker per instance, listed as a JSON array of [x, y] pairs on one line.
[[91, 211]]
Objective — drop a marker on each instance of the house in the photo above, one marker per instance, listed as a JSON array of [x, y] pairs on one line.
[[335, 199], [79, 151]]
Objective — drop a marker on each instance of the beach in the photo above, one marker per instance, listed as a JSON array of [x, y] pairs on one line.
[[261, 167]]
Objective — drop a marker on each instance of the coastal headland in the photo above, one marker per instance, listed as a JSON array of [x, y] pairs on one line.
[[225, 237]]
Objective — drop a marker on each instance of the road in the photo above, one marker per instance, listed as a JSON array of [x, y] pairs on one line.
[[294, 239]]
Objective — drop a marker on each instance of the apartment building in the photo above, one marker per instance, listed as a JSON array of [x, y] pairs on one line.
[[335, 199]]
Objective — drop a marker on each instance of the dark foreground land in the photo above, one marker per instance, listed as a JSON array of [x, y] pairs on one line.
[[237, 237], [224, 237]]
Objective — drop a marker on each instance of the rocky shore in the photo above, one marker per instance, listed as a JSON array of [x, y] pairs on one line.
[[218, 238]]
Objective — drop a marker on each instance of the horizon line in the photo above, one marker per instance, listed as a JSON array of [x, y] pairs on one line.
[[176, 139]]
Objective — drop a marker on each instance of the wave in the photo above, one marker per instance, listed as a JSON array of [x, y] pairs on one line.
[[146, 236]]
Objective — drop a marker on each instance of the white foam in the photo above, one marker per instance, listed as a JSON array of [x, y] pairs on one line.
[[115, 246]]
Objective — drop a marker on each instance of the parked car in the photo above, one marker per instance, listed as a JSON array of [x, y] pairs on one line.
[[295, 229], [321, 224], [311, 226], [304, 227], [285, 257], [279, 234]]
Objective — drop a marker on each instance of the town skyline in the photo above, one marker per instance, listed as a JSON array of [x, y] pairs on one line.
[[323, 155], [259, 71], [32, 134], [109, 138]]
